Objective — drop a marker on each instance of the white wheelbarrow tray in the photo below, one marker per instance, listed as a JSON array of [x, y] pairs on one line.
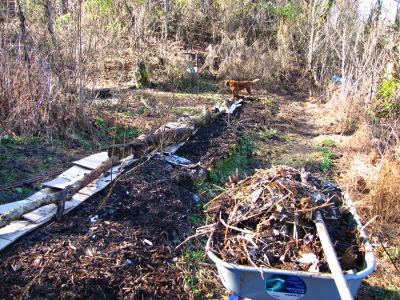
[[247, 282]]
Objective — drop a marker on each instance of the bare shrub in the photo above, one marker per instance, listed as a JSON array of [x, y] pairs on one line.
[[347, 105]]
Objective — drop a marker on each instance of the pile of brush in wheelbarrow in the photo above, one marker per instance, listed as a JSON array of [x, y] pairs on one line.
[[284, 234]]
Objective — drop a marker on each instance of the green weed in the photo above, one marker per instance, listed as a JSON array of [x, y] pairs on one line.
[[327, 159], [327, 143], [5, 140], [269, 133], [121, 132], [3, 157], [387, 104], [196, 219], [269, 106], [192, 258]]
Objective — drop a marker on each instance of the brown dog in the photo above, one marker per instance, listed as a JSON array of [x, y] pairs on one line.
[[237, 86]]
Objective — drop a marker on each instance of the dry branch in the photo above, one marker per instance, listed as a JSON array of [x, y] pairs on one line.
[[59, 197]]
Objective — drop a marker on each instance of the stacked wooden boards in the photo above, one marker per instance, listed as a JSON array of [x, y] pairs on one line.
[[38, 217]]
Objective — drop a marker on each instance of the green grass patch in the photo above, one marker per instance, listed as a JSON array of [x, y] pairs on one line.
[[8, 141], [327, 143], [120, 132], [290, 138], [182, 111], [387, 102], [270, 108], [3, 157], [239, 157]]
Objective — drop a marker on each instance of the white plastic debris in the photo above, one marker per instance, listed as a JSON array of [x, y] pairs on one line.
[[147, 242], [316, 196], [308, 258], [94, 219], [196, 198]]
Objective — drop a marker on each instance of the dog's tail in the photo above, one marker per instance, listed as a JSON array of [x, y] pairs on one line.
[[255, 80]]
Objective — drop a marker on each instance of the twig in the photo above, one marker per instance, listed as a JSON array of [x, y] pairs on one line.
[[215, 198], [190, 237], [369, 222], [235, 228], [247, 238], [394, 265], [254, 265], [315, 208]]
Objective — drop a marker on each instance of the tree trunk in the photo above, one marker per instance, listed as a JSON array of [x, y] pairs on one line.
[[162, 137], [166, 11]]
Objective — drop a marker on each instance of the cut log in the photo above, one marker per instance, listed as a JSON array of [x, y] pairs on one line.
[[59, 197]]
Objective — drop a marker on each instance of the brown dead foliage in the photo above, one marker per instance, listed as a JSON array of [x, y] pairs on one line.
[[267, 221]]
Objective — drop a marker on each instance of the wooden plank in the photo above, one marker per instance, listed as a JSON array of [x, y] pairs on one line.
[[15, 229], [6, 207], [10, 233], [169, 150], [92, 161], [101, 182], [42, 214], [174, 159], [67, 178], [59, 197], [42, 193], [74, 202], [4, 243], [46, 213]]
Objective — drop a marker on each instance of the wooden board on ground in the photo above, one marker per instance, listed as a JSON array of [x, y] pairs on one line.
[[32, 220], [169, 150], [42, 193], [6, 207], [42, 214], [67, 178], [77, 199], [14, 230], [101, 182], [92, 161]]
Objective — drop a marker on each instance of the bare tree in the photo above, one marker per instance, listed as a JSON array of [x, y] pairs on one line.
[[166, 12]]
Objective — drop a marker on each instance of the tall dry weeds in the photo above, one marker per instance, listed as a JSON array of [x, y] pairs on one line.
[[372, 173]]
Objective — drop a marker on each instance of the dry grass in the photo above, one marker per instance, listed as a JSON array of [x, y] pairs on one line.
[[372, 175], [374, 170]]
